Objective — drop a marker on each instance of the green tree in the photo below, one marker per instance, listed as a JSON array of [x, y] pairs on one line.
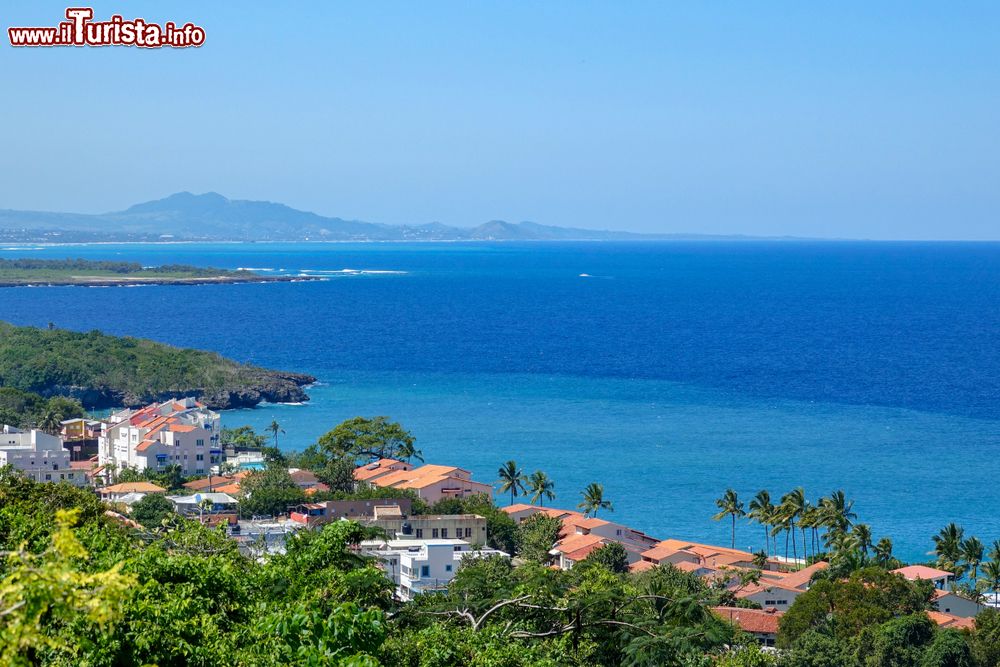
[[541, 487], [242, 437], [948, 649], [50, 422], [269, 492], [948, 546], [511, 480], [898, 642], [535, 537], [41, 593], [985, 639], [729, 505], [883, 552], [972, 551], [361, 438], [152, 509], [748, 655], [816, 649], [593, 500], [611, 556]]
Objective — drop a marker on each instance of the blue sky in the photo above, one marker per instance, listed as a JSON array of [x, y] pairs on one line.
[[846, 120]]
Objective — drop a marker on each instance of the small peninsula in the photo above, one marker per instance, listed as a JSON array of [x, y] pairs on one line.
[[102, 371], [89, 273]]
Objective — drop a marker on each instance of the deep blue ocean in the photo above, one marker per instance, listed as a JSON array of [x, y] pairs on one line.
[[666, 371]]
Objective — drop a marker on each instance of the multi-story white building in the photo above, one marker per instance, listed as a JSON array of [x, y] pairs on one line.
[[181, 432], [420, 566], [37, 455]]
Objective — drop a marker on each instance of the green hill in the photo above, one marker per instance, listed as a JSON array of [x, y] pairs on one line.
[[107, 371]]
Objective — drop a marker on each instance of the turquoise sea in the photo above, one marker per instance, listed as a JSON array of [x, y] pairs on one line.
[[666, 371]]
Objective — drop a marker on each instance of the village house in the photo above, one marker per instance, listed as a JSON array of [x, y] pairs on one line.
[[761, 624], [121, 492], [952, 603], [390, 515], [181, 433], [942, 579], [431, 483], [38, 456], [421, 566]]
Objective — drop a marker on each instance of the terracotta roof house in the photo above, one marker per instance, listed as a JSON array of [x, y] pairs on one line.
[[762, 624], [430, 482]]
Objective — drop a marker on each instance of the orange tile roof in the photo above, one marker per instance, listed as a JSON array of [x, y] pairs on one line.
[[797, 579], [753, 589], [581, 553], [760, 621], [145, 444], [574, 542], [688, 566], [182, 428], [912, 572], [641, 566], [520, 507], [134, 487], [209, 483], [231, 489], [399, 478], [950, 621]]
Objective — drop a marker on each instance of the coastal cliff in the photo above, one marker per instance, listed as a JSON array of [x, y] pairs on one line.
[[103, 371]]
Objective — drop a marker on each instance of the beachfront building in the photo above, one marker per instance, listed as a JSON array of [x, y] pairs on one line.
[[421, 566], [431, 483], [579, 535], [37, 455], [181, 432], [942, 579]]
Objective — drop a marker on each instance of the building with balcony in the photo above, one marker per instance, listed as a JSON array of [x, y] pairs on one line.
[[37, 455], [181, 433]]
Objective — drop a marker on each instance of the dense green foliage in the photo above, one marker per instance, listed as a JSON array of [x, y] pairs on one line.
[[48, 268], [24, 409], [54, 360]]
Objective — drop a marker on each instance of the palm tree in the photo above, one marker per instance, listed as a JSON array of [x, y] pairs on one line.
[[994, 554], [972, 553], [991, 570], [761, 510], [729, 505], [883, 552], [511, 479], [793, 505], [863, 534], [840, 511], [948, 546], [51, 422], [407, 451], [541, 487], [593, 500], [275, 428]]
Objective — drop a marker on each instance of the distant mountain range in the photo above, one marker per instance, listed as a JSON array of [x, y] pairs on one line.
[[210, 216]]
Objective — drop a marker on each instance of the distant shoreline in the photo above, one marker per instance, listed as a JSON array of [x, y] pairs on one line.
[[86, 281]]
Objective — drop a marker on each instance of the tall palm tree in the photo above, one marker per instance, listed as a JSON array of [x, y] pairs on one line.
[[972, 553], [593, 500], [761, 509], [541, 487], [994, 554], [275, 428], [729, 505], [991, 571], [883, 552], [948, 546], [863, 533], [511, 479]]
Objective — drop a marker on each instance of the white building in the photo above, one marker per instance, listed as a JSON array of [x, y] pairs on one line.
[[420, 566], [182, 432], [37, 455]]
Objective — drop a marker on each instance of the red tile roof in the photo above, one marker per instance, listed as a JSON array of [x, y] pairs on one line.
[[760, 621], [912, 572], [950, 621]]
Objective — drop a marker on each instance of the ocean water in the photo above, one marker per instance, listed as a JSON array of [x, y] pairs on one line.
[[666, 371]]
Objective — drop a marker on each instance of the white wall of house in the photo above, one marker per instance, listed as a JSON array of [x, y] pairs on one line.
[[778, 598], [956, 605], [37, 455]]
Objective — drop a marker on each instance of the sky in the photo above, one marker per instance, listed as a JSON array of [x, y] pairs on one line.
[[850, 120]]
